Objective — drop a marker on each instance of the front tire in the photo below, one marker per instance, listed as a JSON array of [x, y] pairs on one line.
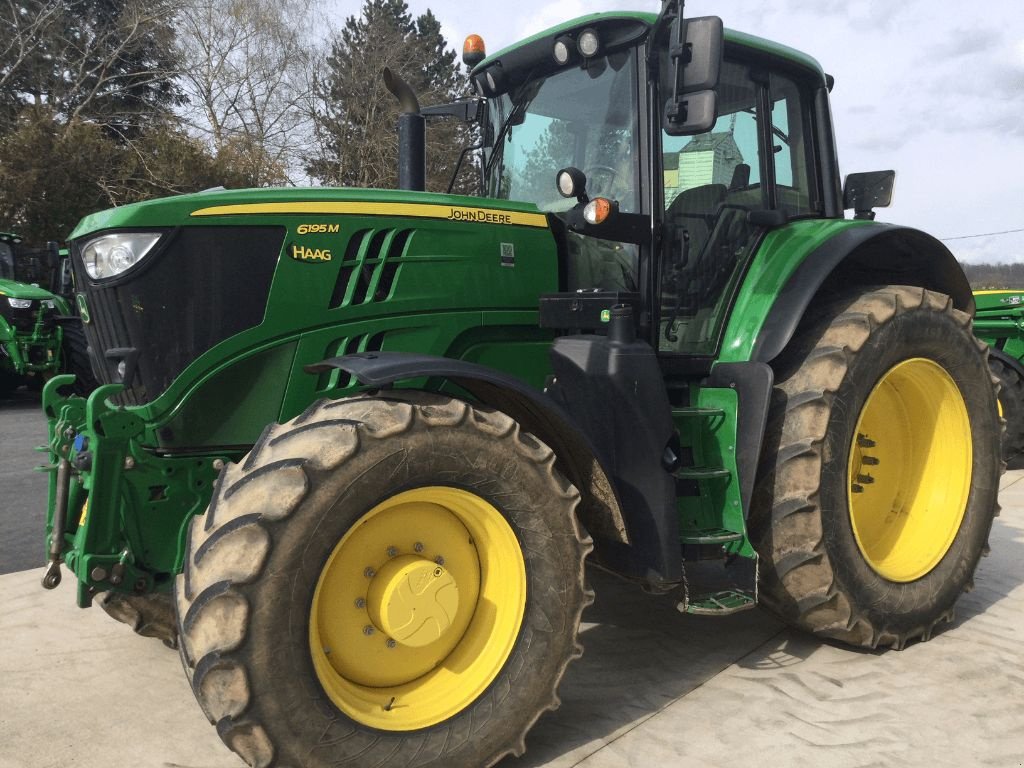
[[880, 469], [392, 580]]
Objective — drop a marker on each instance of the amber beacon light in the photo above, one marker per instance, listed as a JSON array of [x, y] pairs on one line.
[[473, 50]]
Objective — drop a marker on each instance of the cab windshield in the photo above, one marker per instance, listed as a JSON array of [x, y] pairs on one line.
[[586, 117]]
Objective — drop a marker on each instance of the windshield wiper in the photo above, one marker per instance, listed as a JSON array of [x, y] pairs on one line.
[[518, 109]]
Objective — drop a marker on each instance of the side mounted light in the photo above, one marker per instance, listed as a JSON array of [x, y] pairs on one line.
[[597, 210], [571, 182], [110, 255]]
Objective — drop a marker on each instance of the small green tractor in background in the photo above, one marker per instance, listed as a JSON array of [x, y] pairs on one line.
[[999, 322], [39, 335], [352, 448]]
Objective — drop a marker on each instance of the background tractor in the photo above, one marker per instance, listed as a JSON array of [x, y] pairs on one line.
[[39, 335], [353, 447], [1000, 324]]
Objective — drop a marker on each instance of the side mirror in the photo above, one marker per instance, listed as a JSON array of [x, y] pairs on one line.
[[695, 52], [865, 191]]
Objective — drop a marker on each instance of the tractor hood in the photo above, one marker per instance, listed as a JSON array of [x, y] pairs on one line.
[[16, 290], [215, 205]]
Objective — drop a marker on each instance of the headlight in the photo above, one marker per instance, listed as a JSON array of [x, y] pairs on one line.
[[110, 255], [19, 303]]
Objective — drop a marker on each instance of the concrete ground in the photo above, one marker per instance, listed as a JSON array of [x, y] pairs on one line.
[[654, 688]]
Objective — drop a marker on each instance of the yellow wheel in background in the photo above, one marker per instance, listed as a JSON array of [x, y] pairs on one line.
[[418, 608], [910, 470]]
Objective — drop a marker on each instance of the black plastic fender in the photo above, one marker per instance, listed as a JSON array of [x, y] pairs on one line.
[[870, 254], [600, 510]]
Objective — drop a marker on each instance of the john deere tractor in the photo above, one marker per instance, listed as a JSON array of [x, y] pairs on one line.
[[353, 448], [39, 335], [1000, 323]]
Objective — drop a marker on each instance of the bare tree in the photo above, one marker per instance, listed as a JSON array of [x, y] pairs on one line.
[[246, 74], [110, 62]]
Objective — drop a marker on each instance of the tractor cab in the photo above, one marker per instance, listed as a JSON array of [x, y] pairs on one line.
[[673, 170]]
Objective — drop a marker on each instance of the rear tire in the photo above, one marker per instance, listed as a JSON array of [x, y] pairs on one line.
[[287, 602], [1011, 405], [845, 551]]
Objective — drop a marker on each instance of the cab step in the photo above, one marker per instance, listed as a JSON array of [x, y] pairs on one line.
[[718, 603], [702, 473], [699, 412], [710, 536]]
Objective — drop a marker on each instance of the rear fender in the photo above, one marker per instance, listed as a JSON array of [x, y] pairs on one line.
[[806, 259]]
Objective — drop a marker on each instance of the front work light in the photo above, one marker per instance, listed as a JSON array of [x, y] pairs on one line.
[[110, 255], [571, 183], [562, 51], [589, 43], [19, 303]]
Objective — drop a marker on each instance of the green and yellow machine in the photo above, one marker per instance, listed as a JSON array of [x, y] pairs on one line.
[[30, 338], [353, 447], [40, 334], [1000, 324]]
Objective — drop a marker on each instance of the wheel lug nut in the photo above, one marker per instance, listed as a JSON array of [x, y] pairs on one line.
[[392, 551], [369, 572], [869, 460], [865, 479], [865, 442], [857, 488], [391, 643], [368, 630], [439, 560], [417, 547], [360, 602]]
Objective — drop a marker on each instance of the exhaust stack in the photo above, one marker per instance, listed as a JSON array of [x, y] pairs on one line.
[[412, 163]]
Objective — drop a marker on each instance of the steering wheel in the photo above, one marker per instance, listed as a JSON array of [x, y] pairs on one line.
[[600, 180]]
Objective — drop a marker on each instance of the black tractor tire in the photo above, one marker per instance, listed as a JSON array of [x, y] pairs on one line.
[[75, 353], [814, 573], [249, 594], [1011, 404], [150, 615]]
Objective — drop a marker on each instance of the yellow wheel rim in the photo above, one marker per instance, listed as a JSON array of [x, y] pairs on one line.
[[910, 470], [418, 608]]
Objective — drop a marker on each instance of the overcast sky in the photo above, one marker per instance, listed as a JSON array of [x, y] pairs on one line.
[[934, 90]]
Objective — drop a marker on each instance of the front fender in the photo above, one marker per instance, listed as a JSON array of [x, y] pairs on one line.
[[600, 510], [796, 262]]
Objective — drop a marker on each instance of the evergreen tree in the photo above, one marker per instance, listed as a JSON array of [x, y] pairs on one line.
[[358, 117]]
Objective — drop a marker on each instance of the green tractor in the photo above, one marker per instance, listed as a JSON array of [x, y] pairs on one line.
[[353, 448], [1000, 324], [39, 335]]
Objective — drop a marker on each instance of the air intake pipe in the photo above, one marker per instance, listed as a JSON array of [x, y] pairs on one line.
[[412, 163]]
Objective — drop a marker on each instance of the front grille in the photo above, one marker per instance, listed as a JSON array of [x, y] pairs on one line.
[[201, 286]]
